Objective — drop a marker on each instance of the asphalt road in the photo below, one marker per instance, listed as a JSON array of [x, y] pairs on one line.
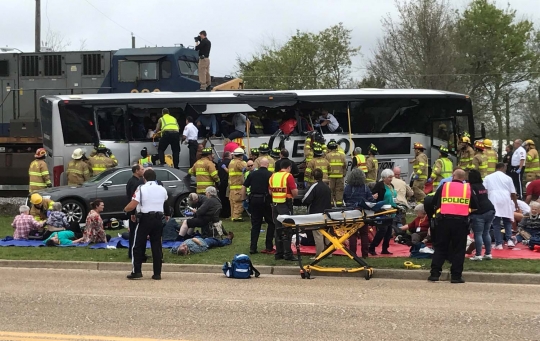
[[42, 304]]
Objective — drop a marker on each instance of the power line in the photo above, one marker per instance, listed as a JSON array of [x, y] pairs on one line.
[[415, 75], [124, 28]]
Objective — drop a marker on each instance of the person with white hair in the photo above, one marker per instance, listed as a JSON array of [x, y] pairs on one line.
[[24, 223], [57, 220], [359, 160], [385, 192], [419, 227], [530, 224], [204, 215]]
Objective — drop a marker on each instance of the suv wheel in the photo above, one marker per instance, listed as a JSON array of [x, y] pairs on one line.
[[74, 210]]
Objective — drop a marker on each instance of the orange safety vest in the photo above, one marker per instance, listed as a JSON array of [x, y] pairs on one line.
[[455, 199], [361, 162], [278, 187]]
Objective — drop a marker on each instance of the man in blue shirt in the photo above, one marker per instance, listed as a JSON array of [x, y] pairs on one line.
[[199, 245], [209, 122]]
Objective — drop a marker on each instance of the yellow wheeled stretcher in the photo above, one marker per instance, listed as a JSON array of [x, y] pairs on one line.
[[337, 226]]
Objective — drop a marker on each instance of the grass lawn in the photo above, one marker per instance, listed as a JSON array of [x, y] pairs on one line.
[[240, 245]]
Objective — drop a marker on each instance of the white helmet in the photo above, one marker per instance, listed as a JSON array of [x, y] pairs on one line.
[[77, 154], [238, 151]]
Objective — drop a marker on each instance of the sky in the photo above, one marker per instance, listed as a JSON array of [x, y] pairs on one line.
[[236, 28]]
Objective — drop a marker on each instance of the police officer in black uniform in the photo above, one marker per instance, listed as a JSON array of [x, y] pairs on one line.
[[149, 199], [260, 206], [133, 183]]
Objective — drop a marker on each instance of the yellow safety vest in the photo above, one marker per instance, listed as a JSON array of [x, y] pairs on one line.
[[278, 187], [361, 162], [169, 123]]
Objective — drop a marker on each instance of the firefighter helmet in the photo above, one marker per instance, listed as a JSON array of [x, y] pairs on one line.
[[465, 139], [41, 152], [264, 148], [77, 154], [275, 152], [488, 143], [443, 150], [373, 149], [479, 145], [332, 144], [238, 152], [36, 199], [418, 145], [206, 151], [317, 151]]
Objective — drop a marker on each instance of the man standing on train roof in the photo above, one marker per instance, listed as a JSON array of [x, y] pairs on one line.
[[420, 167], [372, 164]]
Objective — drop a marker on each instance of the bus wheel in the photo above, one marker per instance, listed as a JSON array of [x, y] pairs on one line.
[[74, 210], [181, 205]]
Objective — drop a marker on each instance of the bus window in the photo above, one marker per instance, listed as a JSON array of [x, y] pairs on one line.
[[443, 133], [148, 71], [78, 126], [188, 68], [462, 124], [111, 123]]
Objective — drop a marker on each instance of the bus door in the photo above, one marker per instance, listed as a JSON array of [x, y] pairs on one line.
[[111, 125], [444, 133]]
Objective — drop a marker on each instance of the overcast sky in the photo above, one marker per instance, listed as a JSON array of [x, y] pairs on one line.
[[235, 27]]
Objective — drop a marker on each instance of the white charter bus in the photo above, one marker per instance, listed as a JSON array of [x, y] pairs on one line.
[[391, 119]]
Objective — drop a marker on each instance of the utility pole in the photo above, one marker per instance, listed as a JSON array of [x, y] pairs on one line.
[[38, 26], [507, 101], [132, 41]]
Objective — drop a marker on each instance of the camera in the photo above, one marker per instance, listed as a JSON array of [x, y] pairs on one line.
[[197, 38]]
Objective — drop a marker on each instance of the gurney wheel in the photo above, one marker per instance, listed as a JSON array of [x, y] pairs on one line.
[[302, 274], [308, 275], [368, 274]]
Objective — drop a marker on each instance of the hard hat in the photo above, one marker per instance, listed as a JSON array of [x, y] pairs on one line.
[[114, 223], [466, 134], [488, 143], [332, 144], [479, 145], [264, 148], [36, 199], [255, 151], [77, 154], [443, 150], [101, 146], [41, 152], [275, 152], [144, 152], [465, 139], [206, 151], [238, 152], [317, 151], [373, 149], [319, 138], [418, 145], [528, 142]]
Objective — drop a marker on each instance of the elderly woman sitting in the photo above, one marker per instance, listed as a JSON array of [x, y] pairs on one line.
[[529, 226], [386, 193], [24, 223], [419, 227], [204, 215]]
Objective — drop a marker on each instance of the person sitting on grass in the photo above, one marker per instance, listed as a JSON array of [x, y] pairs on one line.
[[419, 227], [530, 224], [62, 238], [199, 245], [24, 223], [204, 215], [94, 231], [57, 220]]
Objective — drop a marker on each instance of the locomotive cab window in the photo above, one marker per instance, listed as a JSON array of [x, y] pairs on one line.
[[4, 68], [148, 71], [128, 71]]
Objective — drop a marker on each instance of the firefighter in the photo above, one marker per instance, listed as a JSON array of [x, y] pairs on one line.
[[256, 126], [441, 169], [275, 153], [492, 156], [320, 162], [144, 157], [103, 160], [465, 154], [480, 160], [78, 170], [313, 138], [359, 160], [420, 169], [40, 207], [38, 172], [254, 153], [532, 163], [338, 169], [205, 171], [263, 153], [339, 149], [372, 164], [236, 179]]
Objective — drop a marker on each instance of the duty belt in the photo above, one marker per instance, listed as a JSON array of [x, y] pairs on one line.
[[156, 214]]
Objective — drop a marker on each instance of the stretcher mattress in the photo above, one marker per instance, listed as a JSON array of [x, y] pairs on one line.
[[319, 218]]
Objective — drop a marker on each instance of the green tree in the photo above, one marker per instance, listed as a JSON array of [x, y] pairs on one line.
[[497, 52], [305, 61]]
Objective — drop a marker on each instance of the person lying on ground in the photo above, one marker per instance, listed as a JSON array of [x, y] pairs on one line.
[[57, 220], [419, 227], [199, 245], [24, 223], [62, 238], [204, 215]]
